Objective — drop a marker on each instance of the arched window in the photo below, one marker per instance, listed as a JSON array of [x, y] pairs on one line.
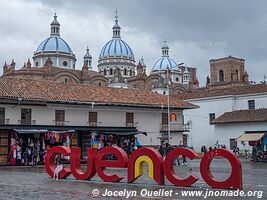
[[125, 72], [221, 76], [105, 72], [110, 71], [237, 75]]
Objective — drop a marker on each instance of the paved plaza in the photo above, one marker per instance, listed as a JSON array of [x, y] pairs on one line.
[[34, 183]]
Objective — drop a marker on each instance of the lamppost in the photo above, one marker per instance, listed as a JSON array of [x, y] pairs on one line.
[[168, 100]]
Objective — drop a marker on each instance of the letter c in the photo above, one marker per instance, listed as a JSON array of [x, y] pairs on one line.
[[169, 171], [50, 159]]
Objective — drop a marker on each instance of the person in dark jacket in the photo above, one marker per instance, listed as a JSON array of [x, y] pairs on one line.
[[163, 150]]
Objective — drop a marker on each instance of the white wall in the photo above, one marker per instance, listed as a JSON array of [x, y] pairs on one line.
[[241, 102], [202, 132], [147, 120], [225, 132]]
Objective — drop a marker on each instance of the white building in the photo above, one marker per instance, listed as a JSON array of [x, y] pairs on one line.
[[33, 107], [224, 114]]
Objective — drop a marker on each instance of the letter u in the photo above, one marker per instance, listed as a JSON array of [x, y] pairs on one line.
[[75, 163]]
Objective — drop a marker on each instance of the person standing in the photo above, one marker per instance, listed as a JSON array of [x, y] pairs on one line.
[[163, 150], [184, 162], [26, 157], [34, 156], [18, 155], [176, 160]]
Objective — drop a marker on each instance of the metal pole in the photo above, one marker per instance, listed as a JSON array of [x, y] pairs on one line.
[[168, 90]]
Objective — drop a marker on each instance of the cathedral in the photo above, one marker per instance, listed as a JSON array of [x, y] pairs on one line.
[[55, 60]]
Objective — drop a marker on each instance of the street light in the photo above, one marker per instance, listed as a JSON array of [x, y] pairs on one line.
[[168, 90]]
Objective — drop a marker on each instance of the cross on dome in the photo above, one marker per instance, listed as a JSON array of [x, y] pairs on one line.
[[165, 49], [55, 27], [116, 28]]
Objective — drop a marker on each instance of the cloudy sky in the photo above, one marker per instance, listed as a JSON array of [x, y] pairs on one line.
[[196, 31]]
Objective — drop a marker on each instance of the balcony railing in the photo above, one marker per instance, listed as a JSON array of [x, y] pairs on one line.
[[27, 122], [131, 124], [61, 123], [175, 127], [94, 123]]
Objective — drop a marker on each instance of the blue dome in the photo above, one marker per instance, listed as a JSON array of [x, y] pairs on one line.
[[162, 64], [116, 47], [54, 43]]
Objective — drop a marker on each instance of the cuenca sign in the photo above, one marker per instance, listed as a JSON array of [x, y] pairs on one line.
[[157, 166]]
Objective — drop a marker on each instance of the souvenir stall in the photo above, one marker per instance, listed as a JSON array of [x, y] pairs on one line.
[[257, 140], [99, 140], [30, 146]]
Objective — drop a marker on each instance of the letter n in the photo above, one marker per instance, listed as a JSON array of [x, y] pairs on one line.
[[155, 165]]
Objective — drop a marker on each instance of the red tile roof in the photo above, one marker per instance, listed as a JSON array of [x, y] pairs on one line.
[[51, 91], [238, 116], [214, 92]]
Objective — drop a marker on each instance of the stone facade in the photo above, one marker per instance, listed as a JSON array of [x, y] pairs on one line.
[[228, 70], [141, 81], [57, 74]]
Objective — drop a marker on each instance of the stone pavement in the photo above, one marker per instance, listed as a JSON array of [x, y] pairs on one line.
[[34, 183]]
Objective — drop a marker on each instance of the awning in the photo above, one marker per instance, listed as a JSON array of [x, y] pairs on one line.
[[250, 137], [32, 131], [121, 132]]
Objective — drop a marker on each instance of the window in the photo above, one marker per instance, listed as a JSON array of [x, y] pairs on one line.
[[105, 72], [65, 63], [237, 75], [164, 118], [233, 143], [66, 80], [60, 117], [36, 64], [2, 115], [125, 72], [129, 119], [251, 104], [110, 71], [99, 84], [92, 119], [26, 116], [185, 139], [221, 76], [131, 72], [212, 117], [177, 79], [164, 123]]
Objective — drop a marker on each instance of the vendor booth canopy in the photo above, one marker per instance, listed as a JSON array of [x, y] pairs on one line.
[[32, 131], [121, 132], [250, 137]]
